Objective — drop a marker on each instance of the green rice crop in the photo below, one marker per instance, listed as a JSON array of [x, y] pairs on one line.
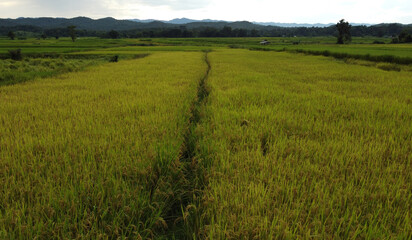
[[62, 45], [139, 49]]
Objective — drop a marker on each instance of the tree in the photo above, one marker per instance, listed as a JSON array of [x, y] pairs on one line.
[[344, 35], [11, 35], [43, 36], [405, 37], [113, 34], [72, 32]]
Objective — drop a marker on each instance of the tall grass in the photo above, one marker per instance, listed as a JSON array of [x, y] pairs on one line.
[[12, 72], [303, 147], [41, 66]]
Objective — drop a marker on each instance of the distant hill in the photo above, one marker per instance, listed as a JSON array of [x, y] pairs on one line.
[[176, 20], [219, 25], [277, 24], [104, 24], [107, 24]]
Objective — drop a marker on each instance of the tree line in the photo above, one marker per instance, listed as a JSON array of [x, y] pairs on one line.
[[389, 30]]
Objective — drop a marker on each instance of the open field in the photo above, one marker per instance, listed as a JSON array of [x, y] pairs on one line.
[[205, 139]]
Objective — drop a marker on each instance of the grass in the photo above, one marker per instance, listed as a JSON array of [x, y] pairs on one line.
[[304, 147], [42, 66], [12, 72]]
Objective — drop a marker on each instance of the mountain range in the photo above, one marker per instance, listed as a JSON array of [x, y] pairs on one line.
[[107, 24]]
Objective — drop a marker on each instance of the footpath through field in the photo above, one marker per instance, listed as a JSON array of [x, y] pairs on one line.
[[96, 153]]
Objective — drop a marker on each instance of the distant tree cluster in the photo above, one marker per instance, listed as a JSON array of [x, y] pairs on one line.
[[11, 35], [404, 37]]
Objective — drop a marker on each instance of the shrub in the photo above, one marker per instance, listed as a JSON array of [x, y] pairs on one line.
[[388, 67], [326, 53], [115, 58], [16, 54], [234, 46], [395, 40]]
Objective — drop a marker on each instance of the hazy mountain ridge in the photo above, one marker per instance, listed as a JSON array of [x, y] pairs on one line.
[[107, 24], [277, 24], [176, 20]]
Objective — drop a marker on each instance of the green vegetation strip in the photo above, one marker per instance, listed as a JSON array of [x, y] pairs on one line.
[[95, 154], [45, 65], [340, 55], [367, 57], [304, 147]]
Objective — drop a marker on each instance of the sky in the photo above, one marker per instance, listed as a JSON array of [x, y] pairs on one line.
[[284, 11]]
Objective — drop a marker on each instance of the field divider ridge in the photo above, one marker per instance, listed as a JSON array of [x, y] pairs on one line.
[[188, 172]]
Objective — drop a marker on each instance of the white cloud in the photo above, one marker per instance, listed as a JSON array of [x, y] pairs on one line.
[[8, 4], [315, 11]]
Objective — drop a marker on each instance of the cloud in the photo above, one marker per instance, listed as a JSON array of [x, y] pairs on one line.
[[53, 8], [323, 11], [176, 4], [6, 4]]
